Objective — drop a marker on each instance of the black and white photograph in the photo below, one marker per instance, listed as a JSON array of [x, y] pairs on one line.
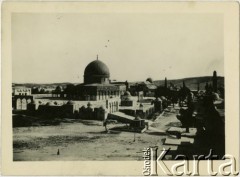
[[101, 86]]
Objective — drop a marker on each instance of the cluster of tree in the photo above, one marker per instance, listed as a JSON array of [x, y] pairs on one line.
[[173, 93], [209, 90]]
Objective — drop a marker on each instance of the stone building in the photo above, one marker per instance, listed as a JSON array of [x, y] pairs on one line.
[[131, 107], [112, 105], [19, 102], [126, 99], [146, 87], [96, 86], [22, 91]]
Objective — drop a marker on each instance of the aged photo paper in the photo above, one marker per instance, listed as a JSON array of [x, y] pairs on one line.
[[120, 88]]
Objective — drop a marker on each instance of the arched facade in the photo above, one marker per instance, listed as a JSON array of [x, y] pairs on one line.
[[112, 105], [20, 102]]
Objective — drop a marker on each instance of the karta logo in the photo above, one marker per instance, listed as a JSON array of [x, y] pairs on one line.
[[152, 162]]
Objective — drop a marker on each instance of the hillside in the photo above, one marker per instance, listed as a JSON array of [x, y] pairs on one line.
[[192, 82], [189, 82], [43, 85]]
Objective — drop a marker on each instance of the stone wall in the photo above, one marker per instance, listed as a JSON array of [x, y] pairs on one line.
[[92, 114]]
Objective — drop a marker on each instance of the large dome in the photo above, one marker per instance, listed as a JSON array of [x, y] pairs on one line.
[[96, 72], [96, 67]]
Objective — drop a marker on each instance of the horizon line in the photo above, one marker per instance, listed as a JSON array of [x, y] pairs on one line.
[[111, 80]]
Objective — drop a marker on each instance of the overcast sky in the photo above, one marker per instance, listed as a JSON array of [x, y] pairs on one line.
[[57, 47]]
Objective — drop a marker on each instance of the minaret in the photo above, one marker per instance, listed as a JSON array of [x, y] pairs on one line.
[[214, 81]]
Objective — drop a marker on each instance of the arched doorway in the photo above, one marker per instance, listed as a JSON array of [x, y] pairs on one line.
[[24, 104]]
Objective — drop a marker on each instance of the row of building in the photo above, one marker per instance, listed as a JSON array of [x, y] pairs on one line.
[[96, 98], [96, 94]]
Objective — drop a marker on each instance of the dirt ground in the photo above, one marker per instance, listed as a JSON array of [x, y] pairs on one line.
[[87, 140]]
